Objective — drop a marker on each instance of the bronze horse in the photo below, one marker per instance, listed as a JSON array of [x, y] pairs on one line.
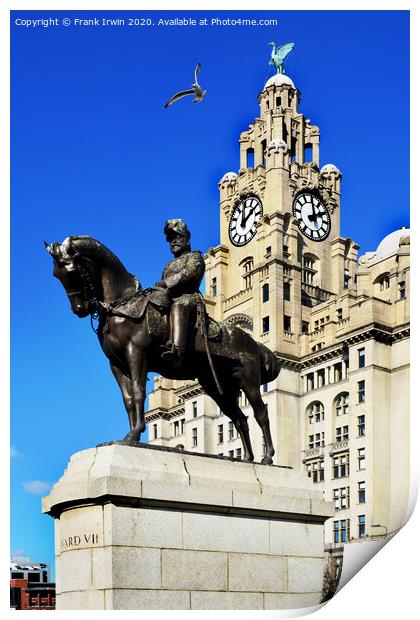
[[97, 284]]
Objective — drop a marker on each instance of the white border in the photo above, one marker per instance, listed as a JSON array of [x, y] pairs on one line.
[[387, 585]]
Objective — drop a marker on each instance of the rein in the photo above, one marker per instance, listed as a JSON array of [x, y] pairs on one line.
[[99, 308]]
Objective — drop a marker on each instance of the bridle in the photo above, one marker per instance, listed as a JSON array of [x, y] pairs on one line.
[[99, 309]]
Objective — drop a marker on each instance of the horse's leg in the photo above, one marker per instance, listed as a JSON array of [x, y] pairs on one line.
[[126, 388], [252, 392], [228, 403], [136, 361]]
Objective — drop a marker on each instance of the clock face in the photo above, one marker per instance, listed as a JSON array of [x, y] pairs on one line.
[[244, 220], [312, 216]]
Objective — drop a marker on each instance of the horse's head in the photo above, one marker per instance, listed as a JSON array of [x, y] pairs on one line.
[[76, 273]]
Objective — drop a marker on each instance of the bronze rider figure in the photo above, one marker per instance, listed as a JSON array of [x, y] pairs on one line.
[[182, 277]]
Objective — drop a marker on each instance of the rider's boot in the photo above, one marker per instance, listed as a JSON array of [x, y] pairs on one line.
[[180, 314]]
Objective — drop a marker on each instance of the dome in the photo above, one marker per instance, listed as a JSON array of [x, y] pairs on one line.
[[279, 80], [329, 168], [229, 176], [391, 243]]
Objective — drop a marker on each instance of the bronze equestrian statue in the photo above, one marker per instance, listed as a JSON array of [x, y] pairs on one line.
[[134, 334]]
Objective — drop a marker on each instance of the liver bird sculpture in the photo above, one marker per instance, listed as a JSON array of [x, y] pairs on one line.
[[195, 90], [278, 55]]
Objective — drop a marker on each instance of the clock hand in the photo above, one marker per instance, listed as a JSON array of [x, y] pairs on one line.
[[314, 215], [245, 219]]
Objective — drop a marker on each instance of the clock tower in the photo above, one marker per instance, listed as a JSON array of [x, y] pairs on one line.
[[279, 226]]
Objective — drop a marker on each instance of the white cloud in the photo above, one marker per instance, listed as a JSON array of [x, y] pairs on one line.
[[14, 453], [37, 486]]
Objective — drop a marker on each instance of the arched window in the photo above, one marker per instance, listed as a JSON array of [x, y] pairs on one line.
[[341, 404], [309, 268], [315, 412], [382, 282], [247, 267]]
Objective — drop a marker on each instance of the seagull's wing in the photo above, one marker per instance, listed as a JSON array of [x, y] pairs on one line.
[[284, 50], [196, 72], [179, 95]]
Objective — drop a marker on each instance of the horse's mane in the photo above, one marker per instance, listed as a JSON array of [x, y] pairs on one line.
[[93, 249]]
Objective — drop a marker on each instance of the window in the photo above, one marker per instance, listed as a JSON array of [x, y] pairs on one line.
[[341, 530], [362, 526], [213, 287], [361, 425], [361, 458], [265, 293], [194, 407], [265, 387], [155, 432], [341, 498], [305, 327], [268, 251], [362, 492], [361, 391], [315, 412], [231, 453], [401, 290], [338, 372], [384, 282], [247, 267], [309, 271], [230, 431], [278, 102], [176, 428], [342, 433], [315, 471], [339, 314], [194, 438], [320, 378], [341, 467], [238, 453], [286, 250], [286, 291], [287, 323], [265, 324], [347, 278], [316, 441], [182, 426], [250, 158], [220, 433], [361, 353], [309, 381], [342, 404]]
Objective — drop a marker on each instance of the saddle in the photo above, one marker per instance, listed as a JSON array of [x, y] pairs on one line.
[[157, 302]]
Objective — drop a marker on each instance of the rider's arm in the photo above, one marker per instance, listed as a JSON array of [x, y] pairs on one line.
[[193, 270]]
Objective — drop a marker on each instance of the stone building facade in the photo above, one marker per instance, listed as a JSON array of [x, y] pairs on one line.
[[339, 410]]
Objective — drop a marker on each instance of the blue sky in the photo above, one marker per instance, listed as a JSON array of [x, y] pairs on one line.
[[94, 152]]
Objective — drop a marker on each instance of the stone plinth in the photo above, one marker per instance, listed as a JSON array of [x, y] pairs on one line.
[[146, 528]]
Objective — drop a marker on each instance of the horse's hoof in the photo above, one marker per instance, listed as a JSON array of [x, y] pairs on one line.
[[267, 460], [131, 438]]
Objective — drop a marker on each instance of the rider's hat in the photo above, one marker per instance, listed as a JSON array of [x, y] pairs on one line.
[[176, 226]]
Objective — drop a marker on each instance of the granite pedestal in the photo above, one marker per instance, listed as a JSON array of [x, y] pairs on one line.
[[149, 528]]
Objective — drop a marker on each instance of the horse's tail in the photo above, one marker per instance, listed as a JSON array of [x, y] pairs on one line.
[[270, 364]]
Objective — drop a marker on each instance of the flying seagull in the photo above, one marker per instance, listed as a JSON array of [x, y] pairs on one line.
[[195, 90]]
